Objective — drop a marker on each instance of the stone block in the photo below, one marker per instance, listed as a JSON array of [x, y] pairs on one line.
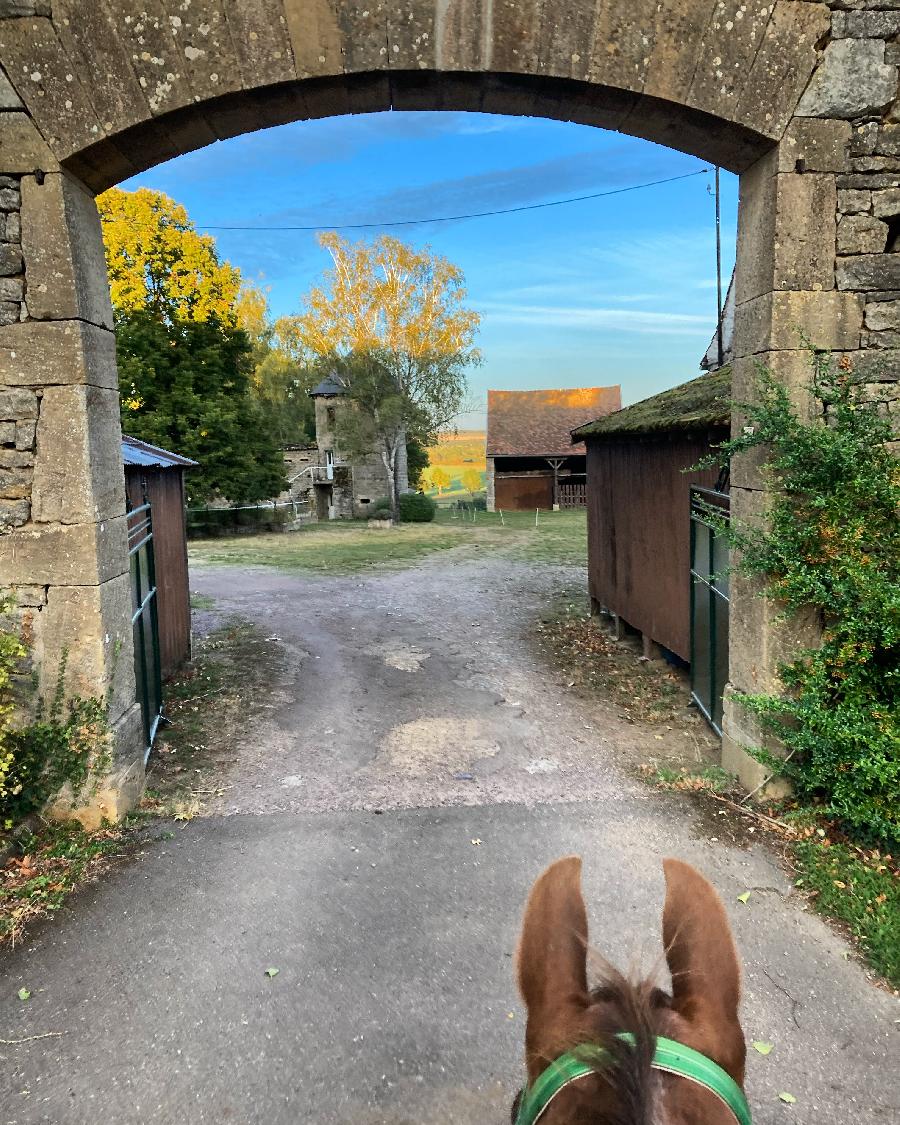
[[852, 81], [812, 145], [63, 248], [51, 85], [621, 45], [94, 45], [13, 513], [12, 288], [87, 630], [25, 434], [740, 732], [78, 474], [883, 315], [9, 313], [111, 797], [780, 322], [315, 34], [732, 37], [852, 202], [780, 69], [760, 638], [7, 433], [888, 140], [677, 47], [15, 483], [786, 232], [10, 260], [30, 596], [9, 99], [861, 234], [869, 271], [63, 352], [792, 370], [866, 24], [65, 554], [886, 203], [157, 60], [10, 197], [22, 148], [12, 227], [261, 42], [204, 50], [17, 403]]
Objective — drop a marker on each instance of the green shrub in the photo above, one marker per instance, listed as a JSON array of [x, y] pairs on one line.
[[831, 544], [416, 507], [66, 742]]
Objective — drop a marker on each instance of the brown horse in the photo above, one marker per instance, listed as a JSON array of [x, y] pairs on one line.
[[623, 1084]]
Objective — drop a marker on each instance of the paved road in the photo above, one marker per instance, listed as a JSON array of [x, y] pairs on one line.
[[391, 930]]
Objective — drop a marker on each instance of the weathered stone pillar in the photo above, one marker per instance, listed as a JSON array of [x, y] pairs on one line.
[[818, 255], [63, 540]]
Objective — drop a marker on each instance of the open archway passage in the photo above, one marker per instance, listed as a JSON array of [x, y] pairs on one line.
[[798, 96]]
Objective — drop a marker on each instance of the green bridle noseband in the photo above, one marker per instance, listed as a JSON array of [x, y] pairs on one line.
[[673, 1058]]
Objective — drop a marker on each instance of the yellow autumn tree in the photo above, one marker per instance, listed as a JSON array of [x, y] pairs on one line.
[[387, 295], [471, 481], [158, 261]]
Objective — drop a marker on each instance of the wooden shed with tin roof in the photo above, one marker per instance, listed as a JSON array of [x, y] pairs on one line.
[[639, 504]]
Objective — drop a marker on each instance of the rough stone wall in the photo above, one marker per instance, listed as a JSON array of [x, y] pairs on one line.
[[489, 485], [819, 253], [799, 96]]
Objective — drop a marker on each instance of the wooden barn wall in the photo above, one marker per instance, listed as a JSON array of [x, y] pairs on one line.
[[165, 491], [639, 540], [519, 493]]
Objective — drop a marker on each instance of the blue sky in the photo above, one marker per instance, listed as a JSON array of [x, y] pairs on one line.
[[614, 290]]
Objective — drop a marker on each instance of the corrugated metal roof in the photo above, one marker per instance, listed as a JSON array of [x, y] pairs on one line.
[[540, 423], [697, 405], [135, 452]]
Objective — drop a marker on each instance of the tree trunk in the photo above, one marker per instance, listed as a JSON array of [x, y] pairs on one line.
[[389, 459]]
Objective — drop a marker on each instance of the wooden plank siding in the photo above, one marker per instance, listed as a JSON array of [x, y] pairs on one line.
[[164, 488], [521, 492], [638, 502]]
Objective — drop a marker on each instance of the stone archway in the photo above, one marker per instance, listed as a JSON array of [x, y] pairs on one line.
[[797, 96]]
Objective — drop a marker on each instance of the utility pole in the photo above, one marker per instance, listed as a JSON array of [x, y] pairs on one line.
[[719, 270]]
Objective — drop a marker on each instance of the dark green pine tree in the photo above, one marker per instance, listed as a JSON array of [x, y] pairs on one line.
[[185, 385]]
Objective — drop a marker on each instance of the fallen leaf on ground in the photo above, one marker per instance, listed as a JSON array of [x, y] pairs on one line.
[[789, 1098], [24, 993], [271, 972], [763, 1048], [744, 897]]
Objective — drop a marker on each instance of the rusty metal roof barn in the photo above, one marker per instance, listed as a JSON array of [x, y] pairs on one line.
[[540, 423]]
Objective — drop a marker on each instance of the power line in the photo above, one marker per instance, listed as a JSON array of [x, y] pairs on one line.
[[471, 215]]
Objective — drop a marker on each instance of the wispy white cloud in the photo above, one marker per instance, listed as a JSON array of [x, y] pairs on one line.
[[640, 321]]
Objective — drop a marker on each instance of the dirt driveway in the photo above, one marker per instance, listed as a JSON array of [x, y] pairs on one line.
[[411, 768], [418, 688]]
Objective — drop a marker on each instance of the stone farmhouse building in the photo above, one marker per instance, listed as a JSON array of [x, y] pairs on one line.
[[334, 486]]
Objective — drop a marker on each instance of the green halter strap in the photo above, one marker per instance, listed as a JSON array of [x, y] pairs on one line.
[[673, 1058]]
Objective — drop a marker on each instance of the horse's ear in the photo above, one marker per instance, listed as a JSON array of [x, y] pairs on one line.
[[703, 961], [552, 962]]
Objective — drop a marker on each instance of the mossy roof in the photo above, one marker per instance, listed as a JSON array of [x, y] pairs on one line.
[[697, 405]]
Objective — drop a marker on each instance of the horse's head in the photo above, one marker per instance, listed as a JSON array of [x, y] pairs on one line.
[[624, 1086]]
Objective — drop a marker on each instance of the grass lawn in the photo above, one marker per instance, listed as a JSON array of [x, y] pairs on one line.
[[349, 547]]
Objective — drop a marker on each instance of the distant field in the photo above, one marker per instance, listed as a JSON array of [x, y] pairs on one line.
[[455, 454]]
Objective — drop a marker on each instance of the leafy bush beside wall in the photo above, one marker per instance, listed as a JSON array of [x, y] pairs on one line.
[[831, 544]]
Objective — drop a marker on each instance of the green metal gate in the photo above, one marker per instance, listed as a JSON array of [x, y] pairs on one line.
[[709, 601], [144, 620]]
